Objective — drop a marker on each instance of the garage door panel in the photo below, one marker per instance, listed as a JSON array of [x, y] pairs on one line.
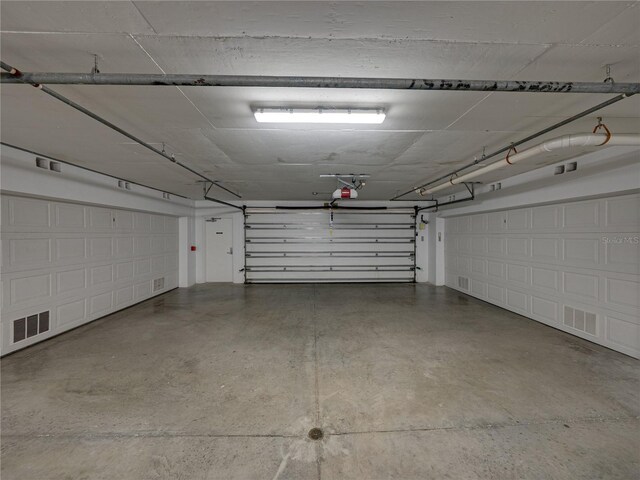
[[406, 260], [318, 245], [337, 247], [76, 263], [319, 233], [328, 276], [579, 257]]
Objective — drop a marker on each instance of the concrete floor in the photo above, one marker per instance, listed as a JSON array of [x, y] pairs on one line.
[[407, 382]]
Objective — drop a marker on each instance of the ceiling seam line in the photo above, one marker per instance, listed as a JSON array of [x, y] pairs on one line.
[[147, 53], [549, 48], [530, 62], [198, 110], [179, 89], [464, 114], [581, 43], [389, 39], [392, 163], [353, 39], [143, 17]]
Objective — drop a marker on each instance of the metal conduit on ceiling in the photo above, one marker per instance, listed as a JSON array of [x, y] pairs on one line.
[[13, 72], [198, 80], [624, 89]]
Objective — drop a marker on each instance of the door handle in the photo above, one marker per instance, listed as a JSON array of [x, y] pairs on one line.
[[230, 252]]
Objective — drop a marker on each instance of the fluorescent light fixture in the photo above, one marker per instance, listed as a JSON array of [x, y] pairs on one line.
[[319, 115]]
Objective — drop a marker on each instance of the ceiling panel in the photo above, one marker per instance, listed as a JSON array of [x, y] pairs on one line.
[[425, 134], [139, 108], [340, 57], [584, 63], [49, 52], [49, 127], [267, 147], [406, 110], [512, 22], [622, 30], [524, 111], [450, 147], [88, 16]]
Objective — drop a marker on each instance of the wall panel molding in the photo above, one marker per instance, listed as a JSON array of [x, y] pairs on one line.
[[574, 265], [80, 262]]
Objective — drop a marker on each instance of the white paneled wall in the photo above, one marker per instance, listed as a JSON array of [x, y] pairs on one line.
[[79, 262], [574, 266]]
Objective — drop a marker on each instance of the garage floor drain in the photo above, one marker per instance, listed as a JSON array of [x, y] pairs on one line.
[[315, 434]]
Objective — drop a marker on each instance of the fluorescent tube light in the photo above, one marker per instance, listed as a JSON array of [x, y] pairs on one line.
[[319, 115]]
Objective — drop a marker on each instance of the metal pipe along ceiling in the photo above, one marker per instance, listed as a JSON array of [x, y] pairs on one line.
[[526, 139], [565, 142], [196, 80], [80, 108]]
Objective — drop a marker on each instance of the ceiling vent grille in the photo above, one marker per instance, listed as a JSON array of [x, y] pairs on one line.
[[463, 282], [580, 320], [30, 326], [158, 284]]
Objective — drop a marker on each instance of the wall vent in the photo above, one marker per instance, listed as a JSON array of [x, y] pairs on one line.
[[30, 326], [42, 163], [158, 284], [55, 167], [463, 282], [580, 320]]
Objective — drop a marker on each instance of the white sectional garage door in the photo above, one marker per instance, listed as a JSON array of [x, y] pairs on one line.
[[65, 264], [574, 266], [329, 246]]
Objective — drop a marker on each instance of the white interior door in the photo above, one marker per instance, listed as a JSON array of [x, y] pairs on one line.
[[219, 257]]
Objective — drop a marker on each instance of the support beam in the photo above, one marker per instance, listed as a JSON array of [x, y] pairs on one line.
[[196, 80]]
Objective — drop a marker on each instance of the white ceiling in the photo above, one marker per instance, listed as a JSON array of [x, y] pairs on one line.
[[213, 130]]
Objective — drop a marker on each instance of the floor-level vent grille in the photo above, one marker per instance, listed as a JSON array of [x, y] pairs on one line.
[[158, 284], [463, 282], [30, 326], [580, 320]]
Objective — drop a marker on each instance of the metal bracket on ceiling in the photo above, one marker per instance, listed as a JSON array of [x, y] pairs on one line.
[[484, 153], [206, 197], [470, 189], [217, 184], [95, 70], [602, 126], [608, 79], [350, 185]]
